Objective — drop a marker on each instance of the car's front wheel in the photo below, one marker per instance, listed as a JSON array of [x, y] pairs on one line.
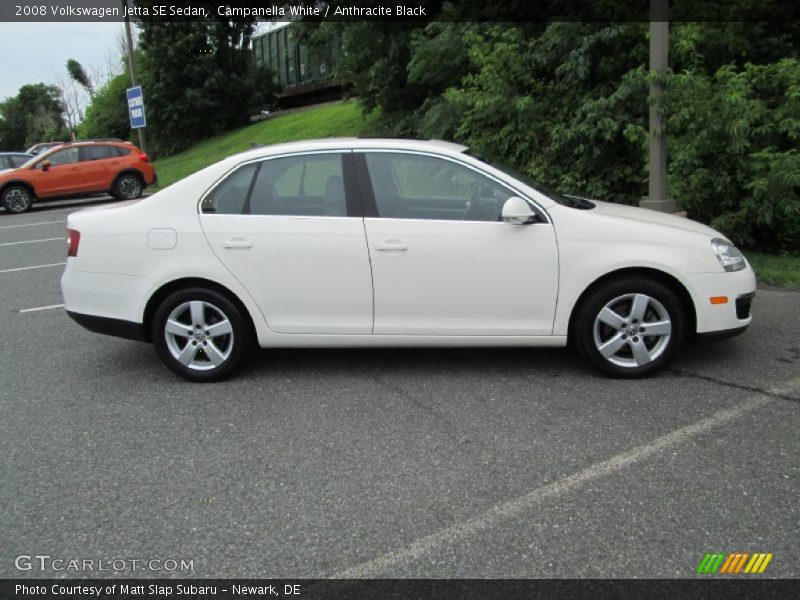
[[630, 327], [17, 199], [200, 334]]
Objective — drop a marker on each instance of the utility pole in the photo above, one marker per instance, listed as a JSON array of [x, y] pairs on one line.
[[132, 63], [659, 47]]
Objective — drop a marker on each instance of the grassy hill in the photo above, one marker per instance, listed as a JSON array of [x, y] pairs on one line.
[[331, 120]]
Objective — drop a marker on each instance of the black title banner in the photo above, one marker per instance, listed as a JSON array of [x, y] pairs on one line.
[[386, 589], [400, 10]]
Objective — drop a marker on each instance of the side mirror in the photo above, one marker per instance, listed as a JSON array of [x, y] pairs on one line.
[[517, 212], [45, 165]]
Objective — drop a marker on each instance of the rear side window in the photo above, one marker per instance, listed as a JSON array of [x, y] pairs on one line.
[[307, 185], [119, 151], [230, 196], [97, 153]]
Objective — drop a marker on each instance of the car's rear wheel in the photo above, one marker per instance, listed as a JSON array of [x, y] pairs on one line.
[[17, 199], [128, 187], [630, 327], [200, 334]]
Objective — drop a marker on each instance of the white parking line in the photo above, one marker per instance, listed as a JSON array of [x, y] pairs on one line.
[[506, 511], [38, 308], [33, 267], [31, 224], [62, 238]]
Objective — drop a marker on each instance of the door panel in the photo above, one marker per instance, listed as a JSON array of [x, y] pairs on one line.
[[96, 164], [442, 261], [462, 278], [62, 177], [308, 272]]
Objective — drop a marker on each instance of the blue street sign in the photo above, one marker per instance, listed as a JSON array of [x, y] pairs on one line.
[[136, 107]]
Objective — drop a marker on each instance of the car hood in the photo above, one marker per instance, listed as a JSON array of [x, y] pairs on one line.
[[645, 215]]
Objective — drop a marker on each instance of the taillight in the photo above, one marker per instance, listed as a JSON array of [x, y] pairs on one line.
[[73, 239], [143, 157]]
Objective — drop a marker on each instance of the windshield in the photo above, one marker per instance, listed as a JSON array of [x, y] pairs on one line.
[[570, 201]]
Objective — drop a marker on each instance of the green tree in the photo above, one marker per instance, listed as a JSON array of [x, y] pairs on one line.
[[199, 79], [107, 113], [79, 75], [35, 114]]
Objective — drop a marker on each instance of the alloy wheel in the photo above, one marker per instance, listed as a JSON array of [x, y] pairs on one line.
[[129, 187], [199, 335], [632, 330], [17, 200]]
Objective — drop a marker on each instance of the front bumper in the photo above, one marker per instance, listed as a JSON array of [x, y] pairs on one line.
[[734, 315]]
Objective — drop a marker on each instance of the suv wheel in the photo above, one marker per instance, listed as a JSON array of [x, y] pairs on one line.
[[200, 334], [128, 187], [630, 327], [17, 199]]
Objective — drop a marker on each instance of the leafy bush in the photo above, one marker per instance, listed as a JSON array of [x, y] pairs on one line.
[[733, 143], [568, 103]]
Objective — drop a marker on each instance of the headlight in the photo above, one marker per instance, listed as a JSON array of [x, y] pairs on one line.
[[728, 255]]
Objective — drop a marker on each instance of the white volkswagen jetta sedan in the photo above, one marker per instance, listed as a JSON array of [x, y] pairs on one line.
[[347, 242]]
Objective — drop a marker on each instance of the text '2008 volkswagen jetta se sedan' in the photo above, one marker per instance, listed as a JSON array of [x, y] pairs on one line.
[[395, 243]]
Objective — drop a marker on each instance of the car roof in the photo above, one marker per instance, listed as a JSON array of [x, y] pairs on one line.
[[437, 146], [94, 142], [15, 154]]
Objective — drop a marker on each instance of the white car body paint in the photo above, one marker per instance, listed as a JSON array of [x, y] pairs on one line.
[[339, 281]]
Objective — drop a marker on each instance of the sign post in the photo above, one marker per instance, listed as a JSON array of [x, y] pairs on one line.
[[132, 66]]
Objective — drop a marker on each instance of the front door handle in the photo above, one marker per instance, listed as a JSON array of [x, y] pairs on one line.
[[237, 244], [390, 245]]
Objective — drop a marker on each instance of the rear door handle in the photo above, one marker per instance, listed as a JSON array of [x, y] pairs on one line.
[[237, 244], [390, 245]]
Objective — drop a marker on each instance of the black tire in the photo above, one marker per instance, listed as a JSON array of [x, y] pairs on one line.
[[128, 187], [17, 199], [590, 332], [170, 346]]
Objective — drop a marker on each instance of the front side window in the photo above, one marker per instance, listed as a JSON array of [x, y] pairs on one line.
[[18, 161], [67, 156], [412, 186]]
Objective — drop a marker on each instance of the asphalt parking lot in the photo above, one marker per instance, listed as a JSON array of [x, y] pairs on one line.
[[387, 463]]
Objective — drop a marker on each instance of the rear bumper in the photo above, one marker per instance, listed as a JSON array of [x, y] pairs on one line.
[[105, 295], [109, 326]]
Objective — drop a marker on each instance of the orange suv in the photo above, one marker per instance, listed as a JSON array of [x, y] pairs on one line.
[[76, 169]]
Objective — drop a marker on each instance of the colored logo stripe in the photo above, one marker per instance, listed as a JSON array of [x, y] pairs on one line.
[[734, 562], [711, 563]]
